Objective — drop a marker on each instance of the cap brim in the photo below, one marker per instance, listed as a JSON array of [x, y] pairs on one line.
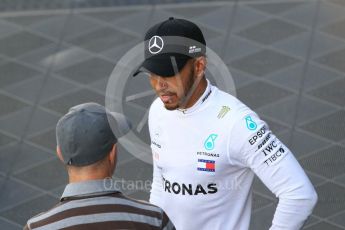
[[165, 65]]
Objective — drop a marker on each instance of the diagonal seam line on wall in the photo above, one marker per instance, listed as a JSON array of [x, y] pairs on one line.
[[35, 105], [304, 71]]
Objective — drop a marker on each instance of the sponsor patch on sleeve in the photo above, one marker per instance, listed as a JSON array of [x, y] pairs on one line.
[[270, 149], [274, 158], [258, 135]]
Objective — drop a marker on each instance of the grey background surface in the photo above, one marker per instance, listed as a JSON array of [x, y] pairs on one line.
[[286, 57]]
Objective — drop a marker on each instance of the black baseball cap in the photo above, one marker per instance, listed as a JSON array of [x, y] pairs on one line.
[[169, 45], [85, 133]]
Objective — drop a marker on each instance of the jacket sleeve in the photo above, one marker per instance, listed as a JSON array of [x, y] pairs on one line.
[[254, 146]]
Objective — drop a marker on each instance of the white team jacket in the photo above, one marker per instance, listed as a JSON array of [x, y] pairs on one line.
[[205, 159]]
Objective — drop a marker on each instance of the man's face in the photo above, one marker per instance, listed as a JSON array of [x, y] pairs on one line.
[[173, 90]]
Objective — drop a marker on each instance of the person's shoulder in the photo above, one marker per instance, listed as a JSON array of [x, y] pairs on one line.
[[157, 106], [235, 105], [40, 216], [223, 97], [148, 209], [142, 204], [156, 109]]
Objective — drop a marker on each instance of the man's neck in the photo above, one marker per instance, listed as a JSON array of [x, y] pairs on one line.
[[197, 92], [80, 177]]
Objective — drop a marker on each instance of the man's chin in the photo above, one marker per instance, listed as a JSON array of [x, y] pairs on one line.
[[171, 106]]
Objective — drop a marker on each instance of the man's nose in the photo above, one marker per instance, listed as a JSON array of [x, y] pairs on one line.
[[162, 83]]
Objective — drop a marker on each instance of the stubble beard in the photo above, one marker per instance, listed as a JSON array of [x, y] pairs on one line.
[[186, 93]]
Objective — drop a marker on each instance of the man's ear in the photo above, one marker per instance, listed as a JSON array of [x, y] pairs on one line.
[[200, 66], [58, 153], [112, 155]]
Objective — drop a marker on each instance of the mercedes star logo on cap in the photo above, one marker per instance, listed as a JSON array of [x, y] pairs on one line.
[[156, 44]]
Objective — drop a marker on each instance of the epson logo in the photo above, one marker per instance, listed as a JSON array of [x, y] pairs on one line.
[[258, 135], [189, 189]]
